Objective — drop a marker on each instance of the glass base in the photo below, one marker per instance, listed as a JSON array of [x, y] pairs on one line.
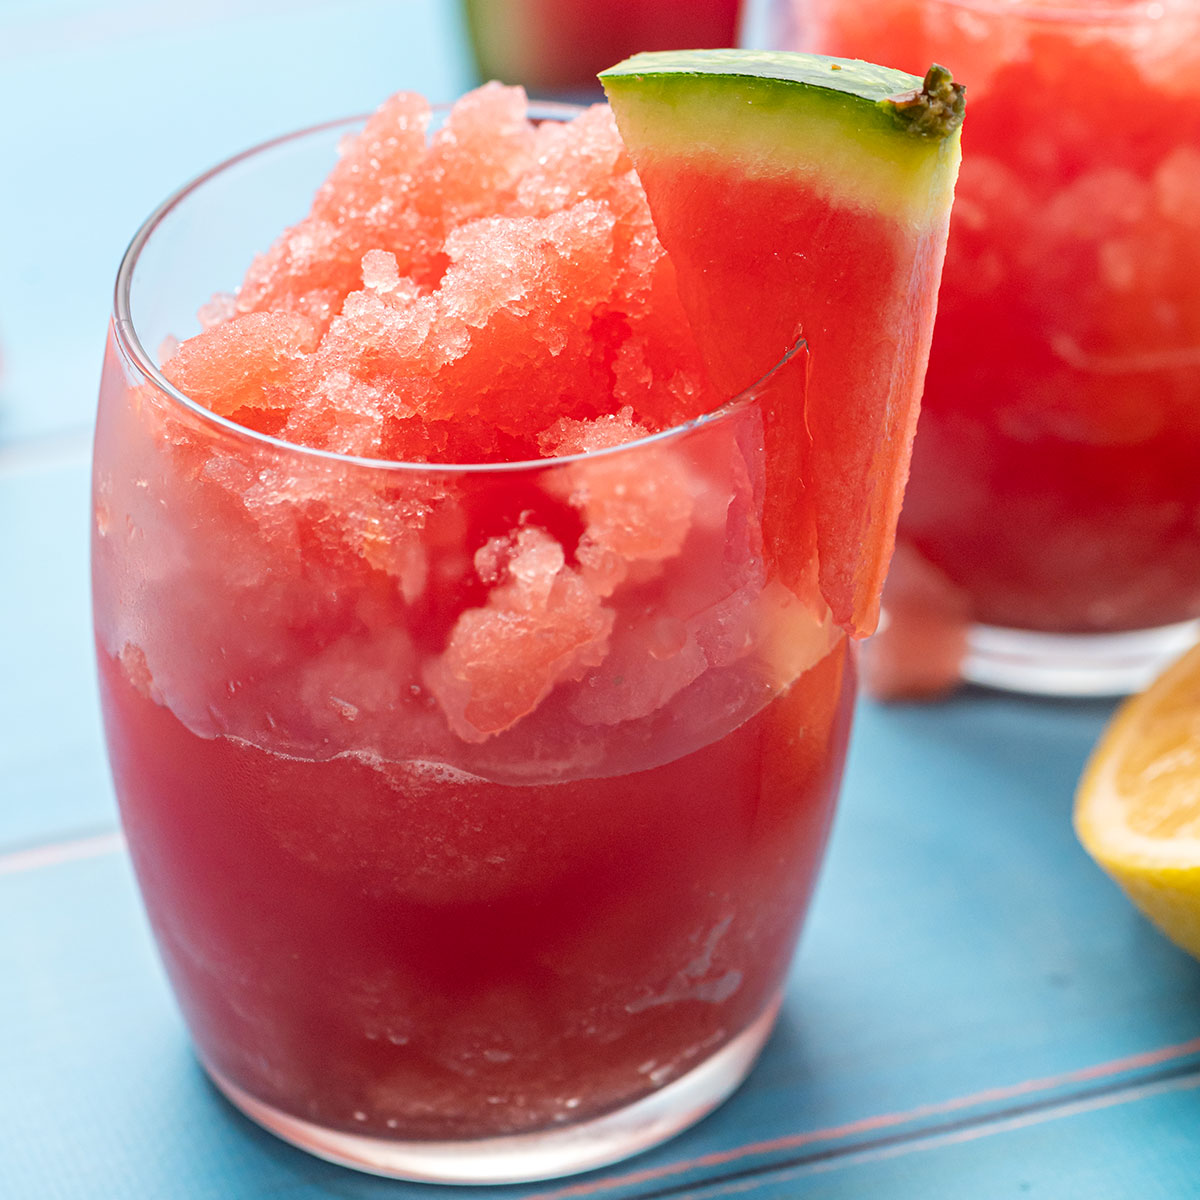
[[527, 1157], [1083, 664]]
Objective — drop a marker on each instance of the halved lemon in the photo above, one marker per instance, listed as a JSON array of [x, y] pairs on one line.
[[1137, 810]]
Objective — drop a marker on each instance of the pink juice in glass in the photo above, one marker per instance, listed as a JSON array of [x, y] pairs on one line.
[[475, 760], [1055, 485]]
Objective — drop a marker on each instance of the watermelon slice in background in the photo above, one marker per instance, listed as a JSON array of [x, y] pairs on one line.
[[808, 197]]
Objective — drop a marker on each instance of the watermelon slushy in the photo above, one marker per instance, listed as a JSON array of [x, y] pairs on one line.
[[474, 711], [1054, 483]]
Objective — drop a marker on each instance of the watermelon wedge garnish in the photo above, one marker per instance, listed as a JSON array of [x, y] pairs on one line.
[[805, 196]]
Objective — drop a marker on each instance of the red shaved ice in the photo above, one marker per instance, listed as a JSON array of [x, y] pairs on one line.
[[490, 291], [541, 626], [248, 362], [453, 295]]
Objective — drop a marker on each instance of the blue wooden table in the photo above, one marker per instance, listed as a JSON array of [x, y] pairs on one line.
[[975, 1010]]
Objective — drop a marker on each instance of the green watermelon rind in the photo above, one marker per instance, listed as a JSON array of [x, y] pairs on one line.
[[867, 88], [813, 114], [848, 127], [849, 76]]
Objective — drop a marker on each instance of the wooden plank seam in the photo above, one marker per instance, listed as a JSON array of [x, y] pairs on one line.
[[35, 858], [1179, 1061], [939, 1137]]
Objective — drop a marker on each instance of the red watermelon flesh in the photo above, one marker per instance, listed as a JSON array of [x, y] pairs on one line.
[[794, 202]]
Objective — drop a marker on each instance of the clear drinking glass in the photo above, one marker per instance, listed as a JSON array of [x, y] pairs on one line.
[[1050, 539], [475, 808]]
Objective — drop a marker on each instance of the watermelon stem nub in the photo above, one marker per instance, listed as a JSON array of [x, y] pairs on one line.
[[935, 110]]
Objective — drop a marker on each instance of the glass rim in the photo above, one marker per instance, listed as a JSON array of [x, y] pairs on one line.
[[130, 343], [1069, 12]]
